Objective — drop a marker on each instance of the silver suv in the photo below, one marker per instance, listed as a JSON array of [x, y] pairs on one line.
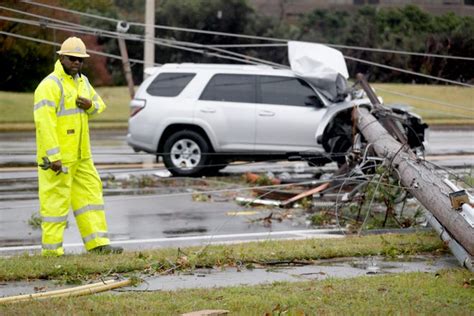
[[200, 117]]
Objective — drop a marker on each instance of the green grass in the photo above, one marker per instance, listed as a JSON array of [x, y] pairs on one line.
[[16, 108], [447, 292], [77, 268], [431, 112]]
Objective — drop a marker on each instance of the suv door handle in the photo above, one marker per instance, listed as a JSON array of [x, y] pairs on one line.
[[208, 110], [266, 113]]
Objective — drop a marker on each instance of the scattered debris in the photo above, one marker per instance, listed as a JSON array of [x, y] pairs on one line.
[[241, 213], [272, 194], [252, 201], [200, 197], [305, 194], [69, 292], [35, 221], [208, 312], [163, 173], [264, 179]]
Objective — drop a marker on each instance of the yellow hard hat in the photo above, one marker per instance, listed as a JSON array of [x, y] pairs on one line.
[[73, 46]]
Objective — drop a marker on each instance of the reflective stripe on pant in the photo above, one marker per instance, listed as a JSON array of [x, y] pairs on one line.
[[80, 188]]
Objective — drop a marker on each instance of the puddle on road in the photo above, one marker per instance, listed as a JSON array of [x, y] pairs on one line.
[[183, 231], [210, 278], [20, 242], [189, 216], [340, 268]]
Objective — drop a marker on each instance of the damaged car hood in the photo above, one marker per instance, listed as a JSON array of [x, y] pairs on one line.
[[323, 66]]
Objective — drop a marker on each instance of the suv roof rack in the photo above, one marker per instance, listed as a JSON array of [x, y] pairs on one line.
[[214, 66]]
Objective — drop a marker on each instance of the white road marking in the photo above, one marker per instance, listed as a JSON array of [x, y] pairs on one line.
[[312, 233]]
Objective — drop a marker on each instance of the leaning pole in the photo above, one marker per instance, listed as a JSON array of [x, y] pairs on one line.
[[415, 176]]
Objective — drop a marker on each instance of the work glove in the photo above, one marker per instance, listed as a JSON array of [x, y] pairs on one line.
[[57, 166]]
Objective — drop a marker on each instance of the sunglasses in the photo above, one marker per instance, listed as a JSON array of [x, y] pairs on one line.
[[74, 58]]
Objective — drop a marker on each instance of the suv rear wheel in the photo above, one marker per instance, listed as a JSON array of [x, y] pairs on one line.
[[185, 153]]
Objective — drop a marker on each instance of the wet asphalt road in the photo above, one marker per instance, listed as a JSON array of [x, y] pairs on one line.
[[145, 221], [110, 146]]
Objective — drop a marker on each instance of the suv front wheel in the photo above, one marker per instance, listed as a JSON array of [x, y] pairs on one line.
[[185, 153]]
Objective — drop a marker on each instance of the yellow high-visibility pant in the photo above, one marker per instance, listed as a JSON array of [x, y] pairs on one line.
[[80, 188]]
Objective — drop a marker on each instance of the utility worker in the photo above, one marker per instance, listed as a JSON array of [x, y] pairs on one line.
[[67, 177]]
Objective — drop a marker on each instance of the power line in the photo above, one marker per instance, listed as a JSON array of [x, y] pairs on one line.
[[95, 31], [130, 36], [136, 37], [182, 29], [197, 51], [115, 35], [57, 44], [70, 11], [162, 43], [42, 17], [408, 71], [426, 99], [401, 52], [259, 60], [73, 27], [449, 114], [247, 45]]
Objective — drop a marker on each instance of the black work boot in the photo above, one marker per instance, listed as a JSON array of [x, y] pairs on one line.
[[106, 249]]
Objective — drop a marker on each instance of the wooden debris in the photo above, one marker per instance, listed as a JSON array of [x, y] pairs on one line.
[[260, 179], [251, 201], [69, 292], [304, 194], [272, 194]]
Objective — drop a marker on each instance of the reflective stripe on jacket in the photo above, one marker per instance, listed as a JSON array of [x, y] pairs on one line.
[[62, 129]]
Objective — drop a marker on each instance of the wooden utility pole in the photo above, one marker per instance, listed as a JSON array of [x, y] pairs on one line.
[[149, 52], [122, 27], [416, 177]]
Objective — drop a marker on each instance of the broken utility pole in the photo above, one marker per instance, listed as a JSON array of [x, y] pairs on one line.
[[416, 177], [122, 27]]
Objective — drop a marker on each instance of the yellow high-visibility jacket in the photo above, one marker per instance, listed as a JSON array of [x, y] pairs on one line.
[[62, 129]]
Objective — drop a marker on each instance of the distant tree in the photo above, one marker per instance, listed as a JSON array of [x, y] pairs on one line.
[[25, 62], [232, 16], [22, 61], [406, 29]]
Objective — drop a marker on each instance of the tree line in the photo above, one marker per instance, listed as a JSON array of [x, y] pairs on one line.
[[24, 63]]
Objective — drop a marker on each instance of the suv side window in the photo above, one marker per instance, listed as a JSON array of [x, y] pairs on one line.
[[286, 91], [169, 84], [230, 88]]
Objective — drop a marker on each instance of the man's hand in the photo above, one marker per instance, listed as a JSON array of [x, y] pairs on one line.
[[83, 103], [57, 166]]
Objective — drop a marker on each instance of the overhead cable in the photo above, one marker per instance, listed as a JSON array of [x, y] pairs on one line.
[[448, 114], [191, 30], [426, 99], [137, 37], [408, 71], [58, 44], [70, 11], [245, 60], [73, 27], [248, 45], [246, 57], [43, 18]]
